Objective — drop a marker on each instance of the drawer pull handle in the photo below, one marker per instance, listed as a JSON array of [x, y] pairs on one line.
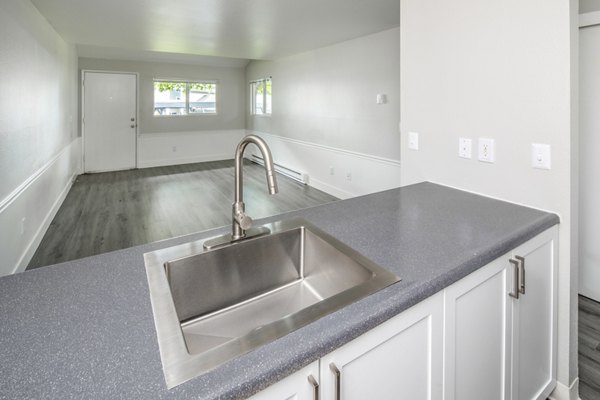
[[521, 274], [315, 386], [338, 381], [515, 293]]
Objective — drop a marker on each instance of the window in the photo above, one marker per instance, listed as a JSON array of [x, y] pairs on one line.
[[260, 92], [185, 98]]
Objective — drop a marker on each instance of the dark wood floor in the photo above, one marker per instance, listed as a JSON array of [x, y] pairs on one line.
[[110, 211], [589, 349]]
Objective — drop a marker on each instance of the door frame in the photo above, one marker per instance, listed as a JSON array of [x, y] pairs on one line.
[[137, 110], [586, 21]]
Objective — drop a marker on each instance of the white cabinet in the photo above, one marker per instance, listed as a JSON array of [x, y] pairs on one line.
[[402, 358], [477, 323], [300, 385], [471, 341], [534, 313], [500, 321]]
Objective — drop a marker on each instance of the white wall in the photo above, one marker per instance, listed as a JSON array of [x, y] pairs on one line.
[[325, 113], [498, 69], [171, 148], [231, 101], [196, 138], [38, 116]]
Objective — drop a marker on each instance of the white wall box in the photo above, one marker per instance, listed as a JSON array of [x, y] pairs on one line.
[[490, 335]]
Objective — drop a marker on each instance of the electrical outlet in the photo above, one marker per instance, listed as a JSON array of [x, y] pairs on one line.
[[486, 150], [348, 176], [23, 220], [331, 171], [413, 140], [174, 148], [465, 147]]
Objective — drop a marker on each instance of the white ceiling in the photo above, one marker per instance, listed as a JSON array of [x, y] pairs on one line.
[[239, 29]]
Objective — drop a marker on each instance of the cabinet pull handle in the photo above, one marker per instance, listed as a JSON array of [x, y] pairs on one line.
[[338, 381], [315, 386], [521, 261], [515, 293]]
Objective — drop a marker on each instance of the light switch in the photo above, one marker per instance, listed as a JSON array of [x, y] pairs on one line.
[[540, 156], [465, 147], [413, 140]]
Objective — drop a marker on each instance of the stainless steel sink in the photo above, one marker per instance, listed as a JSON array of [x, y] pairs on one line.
[[211, 306]]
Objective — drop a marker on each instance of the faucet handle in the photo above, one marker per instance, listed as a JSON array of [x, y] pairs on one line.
[[240, 218], [243, 220]]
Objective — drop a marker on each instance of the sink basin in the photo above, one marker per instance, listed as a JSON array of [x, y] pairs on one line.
[[211, 306]]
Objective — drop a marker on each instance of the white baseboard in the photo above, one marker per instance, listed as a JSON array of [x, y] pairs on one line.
[[354, 174], [332, 190], [39, 234], [173, 148], [26, 214], [564, 392]]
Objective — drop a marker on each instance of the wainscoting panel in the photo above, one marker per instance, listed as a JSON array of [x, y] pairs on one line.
[[26, 213], [173, 148], [339, 172]]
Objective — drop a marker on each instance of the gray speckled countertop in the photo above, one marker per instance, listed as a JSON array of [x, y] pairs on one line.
[[84, 329]]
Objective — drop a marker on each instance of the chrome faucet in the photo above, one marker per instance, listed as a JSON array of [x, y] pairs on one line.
[[241, 223]]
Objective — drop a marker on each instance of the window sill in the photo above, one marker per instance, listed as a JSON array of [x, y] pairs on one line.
[[187, 115]]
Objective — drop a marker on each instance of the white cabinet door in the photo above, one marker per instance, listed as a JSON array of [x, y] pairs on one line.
[[476, 330], [534, 320], [297, 386], [400, 359]]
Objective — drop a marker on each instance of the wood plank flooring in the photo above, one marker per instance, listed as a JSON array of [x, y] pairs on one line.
[[115, 210], [589, 349]]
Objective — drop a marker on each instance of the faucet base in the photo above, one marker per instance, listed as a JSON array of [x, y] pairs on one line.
[[226, 239]]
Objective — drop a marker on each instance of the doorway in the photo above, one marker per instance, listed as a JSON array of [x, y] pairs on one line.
[[109, 121], [589, 184]]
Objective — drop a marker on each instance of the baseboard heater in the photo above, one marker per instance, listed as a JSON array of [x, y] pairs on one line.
[[291, 173]]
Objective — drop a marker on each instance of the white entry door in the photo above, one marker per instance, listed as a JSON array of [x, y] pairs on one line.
[[109, 121], [589, 162]]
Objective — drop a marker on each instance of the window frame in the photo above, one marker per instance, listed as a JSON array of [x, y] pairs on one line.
[[187, 96], [253, 85]]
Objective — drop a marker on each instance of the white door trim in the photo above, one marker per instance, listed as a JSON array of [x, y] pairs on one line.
[[589, 19], [137, 110], [589, 190]]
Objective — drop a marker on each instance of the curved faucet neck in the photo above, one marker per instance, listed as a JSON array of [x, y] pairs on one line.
[[238, 230]]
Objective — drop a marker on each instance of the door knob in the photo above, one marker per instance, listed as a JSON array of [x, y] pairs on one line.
[[132, 125], [132, 119]]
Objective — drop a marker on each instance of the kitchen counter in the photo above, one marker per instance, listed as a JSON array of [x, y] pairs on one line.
[[85, 329]]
